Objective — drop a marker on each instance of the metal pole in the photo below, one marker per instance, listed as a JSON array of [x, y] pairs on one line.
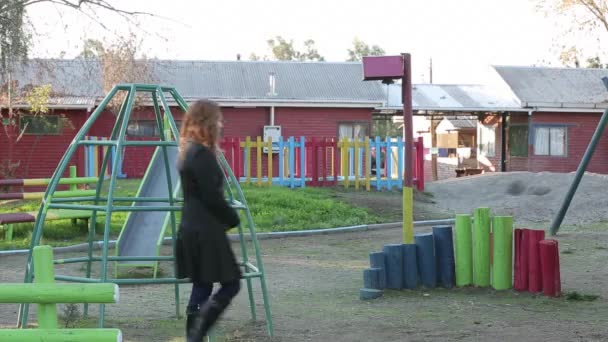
[[555, 225], [408, 132]]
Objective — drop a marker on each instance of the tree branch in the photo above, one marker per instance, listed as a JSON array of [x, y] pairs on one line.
[[594, 8]]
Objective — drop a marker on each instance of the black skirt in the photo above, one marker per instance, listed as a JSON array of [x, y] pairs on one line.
[[205, 256]]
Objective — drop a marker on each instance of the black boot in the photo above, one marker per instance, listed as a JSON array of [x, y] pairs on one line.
[[209, 314], [192, 312]]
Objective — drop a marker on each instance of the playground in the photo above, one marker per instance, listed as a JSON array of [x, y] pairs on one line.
[[470, 286], [314, 283]]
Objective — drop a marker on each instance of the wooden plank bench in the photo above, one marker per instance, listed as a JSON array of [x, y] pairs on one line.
[[9, 219]]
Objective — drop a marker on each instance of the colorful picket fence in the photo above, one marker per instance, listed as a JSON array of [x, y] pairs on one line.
[[93, 155], [299, 162]]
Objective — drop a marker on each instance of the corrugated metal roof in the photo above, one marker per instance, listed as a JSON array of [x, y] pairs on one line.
[[452, 97], [316, 82], [556, 87]]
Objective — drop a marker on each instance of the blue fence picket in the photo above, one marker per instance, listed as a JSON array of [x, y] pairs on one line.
[[389, 160], [303, 160]]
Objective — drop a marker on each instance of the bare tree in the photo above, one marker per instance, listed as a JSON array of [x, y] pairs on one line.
[[583, 18], [16, 32], [120, 62]]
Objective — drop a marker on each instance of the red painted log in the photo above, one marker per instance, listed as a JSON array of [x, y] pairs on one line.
[[535, 278], [549, 260], [521, 259]]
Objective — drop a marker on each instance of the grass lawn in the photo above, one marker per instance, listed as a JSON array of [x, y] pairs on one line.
[[273, 209]]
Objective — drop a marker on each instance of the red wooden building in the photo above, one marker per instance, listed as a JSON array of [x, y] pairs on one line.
[[312, 99]]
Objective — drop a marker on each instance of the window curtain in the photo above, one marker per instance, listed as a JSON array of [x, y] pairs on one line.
[[345, 131], [557, 138], [541, 141]]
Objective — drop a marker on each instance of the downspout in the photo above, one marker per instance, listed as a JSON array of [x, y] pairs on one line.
[[271, 115]]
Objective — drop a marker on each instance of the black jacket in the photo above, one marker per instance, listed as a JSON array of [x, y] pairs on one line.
[[204, 253]]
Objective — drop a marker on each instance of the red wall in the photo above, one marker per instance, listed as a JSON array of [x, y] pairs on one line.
[[40, 154], [581, 127], [46, 151]]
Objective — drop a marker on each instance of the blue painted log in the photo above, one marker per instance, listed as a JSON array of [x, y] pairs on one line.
[[371, 278], [444, 254], [410, 266], [394, 266], [378, 260], [427, 264], [365, 294]]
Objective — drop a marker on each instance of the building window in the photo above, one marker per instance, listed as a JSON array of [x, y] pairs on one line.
[[353, 130], [146, 128], [142, 128], [518, 140], [487, 140], [550, 141], [41, 125]]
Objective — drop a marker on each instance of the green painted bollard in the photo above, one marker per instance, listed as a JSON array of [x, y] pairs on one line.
[[59, 293], [44, 273], [73, 174], [464, 251], [8, 232], [60, 335], [502, 274], [481, 248]]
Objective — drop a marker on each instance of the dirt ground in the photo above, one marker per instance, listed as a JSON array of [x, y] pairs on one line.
[[314, 284], [314, 281]]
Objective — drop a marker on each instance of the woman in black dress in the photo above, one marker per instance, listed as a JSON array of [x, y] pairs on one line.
[[204, 253]]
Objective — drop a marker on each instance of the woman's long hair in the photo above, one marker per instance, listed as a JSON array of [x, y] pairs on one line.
[[201, 124]]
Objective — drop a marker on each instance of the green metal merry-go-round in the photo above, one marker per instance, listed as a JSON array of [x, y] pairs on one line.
[[150, 212]]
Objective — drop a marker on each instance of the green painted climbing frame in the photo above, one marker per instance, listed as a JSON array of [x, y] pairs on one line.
[[110, 204]]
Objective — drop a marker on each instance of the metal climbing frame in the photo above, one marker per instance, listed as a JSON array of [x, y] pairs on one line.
[[170, 204]]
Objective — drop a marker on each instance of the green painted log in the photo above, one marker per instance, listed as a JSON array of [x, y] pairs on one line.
[[60, 335], [59, 293], [502, 268], [464, 251], [481, 248], [44, 273]]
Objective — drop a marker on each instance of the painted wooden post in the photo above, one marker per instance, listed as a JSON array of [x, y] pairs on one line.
[[73, 174], [281, 165], [344, 161], [303, 160], [377, 159], [292, 166], [388, 159], [314, 162], [420, 164], [248, 158], [237, 158], [258, 147], [324, 169], [44, 273], [269, 154], [368, 166], [335, 160], [357, 164]]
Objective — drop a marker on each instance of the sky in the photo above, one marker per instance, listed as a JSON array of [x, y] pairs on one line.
[[463, 38]]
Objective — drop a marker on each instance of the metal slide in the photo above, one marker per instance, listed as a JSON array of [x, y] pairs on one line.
[[143, 231]]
